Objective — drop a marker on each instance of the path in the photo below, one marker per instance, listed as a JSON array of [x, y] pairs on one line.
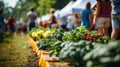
[[15, 51]]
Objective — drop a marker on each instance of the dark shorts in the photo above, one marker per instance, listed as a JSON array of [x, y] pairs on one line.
[[1, 25], [115, 21], [64, 26], [31, 25], [12, 28], [24, 30]]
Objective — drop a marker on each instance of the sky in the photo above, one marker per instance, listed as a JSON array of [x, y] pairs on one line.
[[11, 3]]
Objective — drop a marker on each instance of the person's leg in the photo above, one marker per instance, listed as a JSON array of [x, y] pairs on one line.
[[100, 30], [100, 25], [105, 31], [114, 34], [64, 27], [106, 26], [115, 27]]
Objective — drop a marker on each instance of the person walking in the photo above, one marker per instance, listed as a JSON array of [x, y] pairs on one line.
[[19, 25], [77, 20], [2, 24], [102, 16], [70, 21], [11, 25], [53, 20], [87, 16], [31, 17], [115, 19]]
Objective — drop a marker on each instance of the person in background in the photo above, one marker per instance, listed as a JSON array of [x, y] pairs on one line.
[[31, 17], [115, 19], [11, 25], [19, 25], [87, 16], [77, 20], [53, 21], [63, 23], [70, 25], [24, 28], [2, 24], [102, 16]]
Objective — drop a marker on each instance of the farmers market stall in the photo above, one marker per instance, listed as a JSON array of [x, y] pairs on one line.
[[76, 48]]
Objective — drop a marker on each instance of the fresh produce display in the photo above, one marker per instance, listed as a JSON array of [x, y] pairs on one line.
[[81, 33], [80, 47], [40, 32], [48, 41], [73, 52], [56, 48], [75, 35], [104, 55]]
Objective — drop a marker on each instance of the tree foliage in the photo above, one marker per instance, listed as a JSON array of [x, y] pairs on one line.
[[42, 7]]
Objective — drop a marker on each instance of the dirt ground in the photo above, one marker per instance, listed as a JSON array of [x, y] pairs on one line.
[[15, 51]]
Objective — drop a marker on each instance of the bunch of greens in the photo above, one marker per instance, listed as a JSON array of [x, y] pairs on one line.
[[75, 35], [49, 41], [104, 55], [73, 52]]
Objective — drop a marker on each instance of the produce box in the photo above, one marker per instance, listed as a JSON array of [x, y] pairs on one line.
[[46, 61], [57, 64], [33, 44]]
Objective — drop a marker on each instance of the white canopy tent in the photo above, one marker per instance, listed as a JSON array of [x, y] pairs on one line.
[[57, 13], [76, 7], [67, 10], [37, 22], [45, 18], [81, 6], [63, 11]]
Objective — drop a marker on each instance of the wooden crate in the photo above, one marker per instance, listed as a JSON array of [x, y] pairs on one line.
[[33, 44], [46, 61]]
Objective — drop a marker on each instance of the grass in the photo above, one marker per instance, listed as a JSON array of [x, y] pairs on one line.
[[14, 51]]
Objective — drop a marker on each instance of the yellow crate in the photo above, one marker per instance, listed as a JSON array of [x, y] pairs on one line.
[[33, 44]]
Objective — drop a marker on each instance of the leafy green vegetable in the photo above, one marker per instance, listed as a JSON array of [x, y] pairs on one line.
[[106, 55]]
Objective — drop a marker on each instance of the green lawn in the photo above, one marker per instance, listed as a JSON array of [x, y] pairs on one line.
[[15, 51]]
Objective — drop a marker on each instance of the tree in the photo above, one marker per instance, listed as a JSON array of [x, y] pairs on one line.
[[46, 5], [42, 7]]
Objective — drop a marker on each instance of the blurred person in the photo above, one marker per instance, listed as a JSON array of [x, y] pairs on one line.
[[53, 21], [11, 25], [102, 16], [24, 28], [41, 23], [63, 23], [115, 19], [77, 20], [31, 17], [2, 24], [70, 25], [19, 25], [87, 17]]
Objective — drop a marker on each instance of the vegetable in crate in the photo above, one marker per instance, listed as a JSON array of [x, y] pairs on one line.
[[56, 47], [74, 35], [35, 36], [40, 33], [106, 55], [73, 52]]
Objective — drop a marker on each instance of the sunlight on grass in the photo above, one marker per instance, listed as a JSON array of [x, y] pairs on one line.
[[14, 51]]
